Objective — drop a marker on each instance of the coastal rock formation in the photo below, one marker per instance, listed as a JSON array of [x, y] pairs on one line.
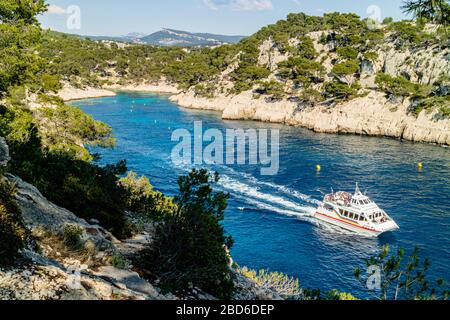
[[159, 87], [372, 115], [70, 93], [42, 215], [44, 279]]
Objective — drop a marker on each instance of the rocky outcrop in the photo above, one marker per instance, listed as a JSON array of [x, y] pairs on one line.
[[70, 93], [51, 274], [158, 87], [371, 115], [40, 215], [44, 279], [55, 275], [4, 153], [246, 289]]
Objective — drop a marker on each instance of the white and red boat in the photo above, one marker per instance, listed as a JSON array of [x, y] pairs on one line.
[[355, 213]]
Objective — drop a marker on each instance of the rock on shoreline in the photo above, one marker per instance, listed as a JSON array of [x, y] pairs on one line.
[[71, 93]]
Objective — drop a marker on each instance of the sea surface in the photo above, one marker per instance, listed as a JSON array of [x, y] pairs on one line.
[[269, 217]]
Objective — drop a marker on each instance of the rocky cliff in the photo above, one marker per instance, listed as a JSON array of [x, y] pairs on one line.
[[373, 115], [373, 112]]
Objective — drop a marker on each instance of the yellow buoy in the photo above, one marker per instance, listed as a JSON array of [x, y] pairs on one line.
[[318, 168], [420, 165]]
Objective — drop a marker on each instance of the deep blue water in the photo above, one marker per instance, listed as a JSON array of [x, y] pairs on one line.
[[268, 215]]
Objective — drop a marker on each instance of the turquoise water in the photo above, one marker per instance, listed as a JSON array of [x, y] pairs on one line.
[[269, 216]]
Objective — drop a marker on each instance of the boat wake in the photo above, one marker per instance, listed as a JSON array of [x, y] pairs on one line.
[[250, 193]]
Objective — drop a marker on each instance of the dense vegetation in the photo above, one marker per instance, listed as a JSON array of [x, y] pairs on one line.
[[303, 77], [189, 246], [48, 145], [48, 149]]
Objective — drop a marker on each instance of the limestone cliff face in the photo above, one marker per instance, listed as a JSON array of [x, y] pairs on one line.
[[374, 114]]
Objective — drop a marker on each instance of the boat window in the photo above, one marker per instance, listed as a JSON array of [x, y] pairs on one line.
[[356, 217], [351, 215]]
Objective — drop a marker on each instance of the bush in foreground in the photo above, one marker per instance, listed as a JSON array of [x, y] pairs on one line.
[[189, 249]]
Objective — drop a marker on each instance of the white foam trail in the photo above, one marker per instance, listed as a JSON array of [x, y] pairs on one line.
[[304, 215], [245, 189], [284, 189]]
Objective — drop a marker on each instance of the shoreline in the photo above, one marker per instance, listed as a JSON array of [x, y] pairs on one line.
[[71, 94], [372, 115]]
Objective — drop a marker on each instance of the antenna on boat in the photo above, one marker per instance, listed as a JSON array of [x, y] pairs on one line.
[[357, 191]]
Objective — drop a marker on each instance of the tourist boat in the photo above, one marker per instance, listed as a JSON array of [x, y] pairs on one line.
[[356, 213]]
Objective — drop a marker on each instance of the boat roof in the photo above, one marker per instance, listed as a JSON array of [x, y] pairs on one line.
[[358, 200]]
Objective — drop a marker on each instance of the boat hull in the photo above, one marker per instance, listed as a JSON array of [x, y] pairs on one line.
[[351, 226]]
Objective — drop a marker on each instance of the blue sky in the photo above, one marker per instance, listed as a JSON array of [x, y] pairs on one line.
[[232, 17]]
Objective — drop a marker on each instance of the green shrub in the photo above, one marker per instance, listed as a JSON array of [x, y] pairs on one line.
[[72, 237], [311, 97], [346, 69], [272, 88], [118, 261], [13, 234], [143, 199], [442, 104], [371, 56], [247, 75], [399, 86], [301, 70], [305, 49], [407, 32], [189, 246], [341, 91], [286, 286], [347, 53], [388, 20], [402, 279], [80, 186]]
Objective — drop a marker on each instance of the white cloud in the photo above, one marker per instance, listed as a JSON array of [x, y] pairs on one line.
[[53, 9], [239, 5]]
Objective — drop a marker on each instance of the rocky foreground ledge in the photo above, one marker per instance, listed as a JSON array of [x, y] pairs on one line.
[[49, 274]]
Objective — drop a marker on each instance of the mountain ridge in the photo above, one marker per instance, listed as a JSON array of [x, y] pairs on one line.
[[173, 37]]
